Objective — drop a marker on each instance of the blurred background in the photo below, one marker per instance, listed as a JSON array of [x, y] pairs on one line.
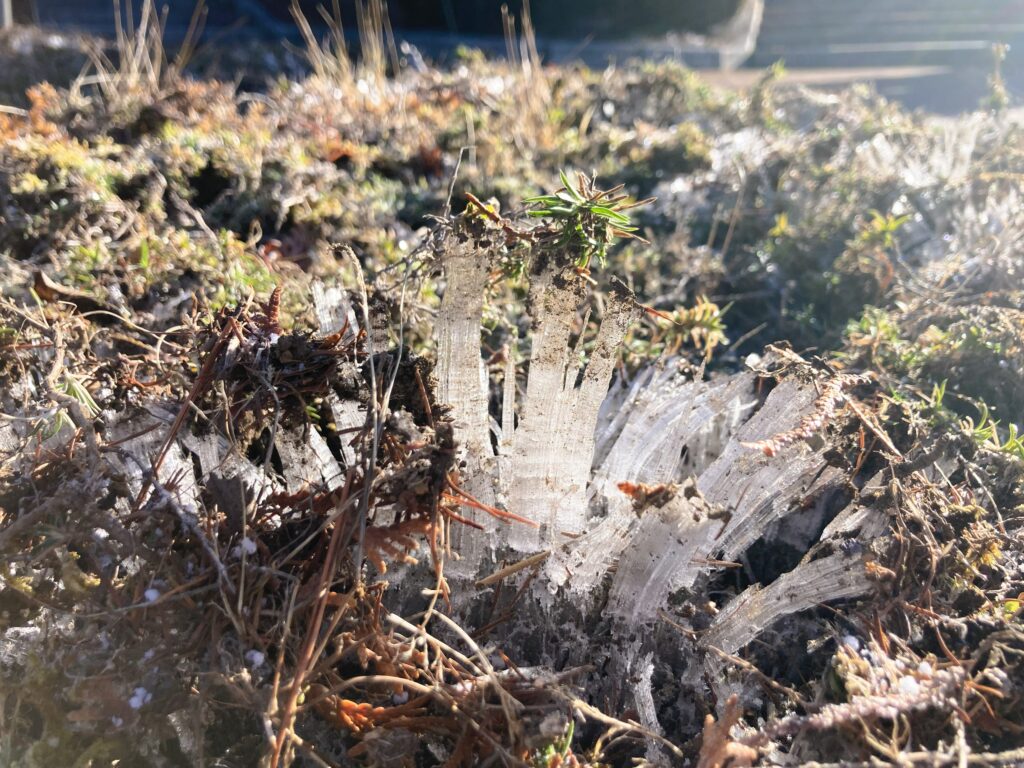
[[933, 54]]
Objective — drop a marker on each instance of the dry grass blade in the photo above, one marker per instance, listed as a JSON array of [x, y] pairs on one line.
[[331, 59], [140, 70]]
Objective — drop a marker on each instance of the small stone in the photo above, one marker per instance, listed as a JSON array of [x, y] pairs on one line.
[[140, 696], [255, 658]]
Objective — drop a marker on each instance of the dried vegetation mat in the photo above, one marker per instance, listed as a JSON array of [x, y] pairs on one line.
[[341, 427]]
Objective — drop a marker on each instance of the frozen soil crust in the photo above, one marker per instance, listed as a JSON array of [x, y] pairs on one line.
[[311, 457]]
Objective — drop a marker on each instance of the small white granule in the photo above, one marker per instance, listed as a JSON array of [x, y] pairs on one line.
[[909, 686], [139, 697], [116, 721], [152, 595], [248, 545], [851, 642], [924, 668]]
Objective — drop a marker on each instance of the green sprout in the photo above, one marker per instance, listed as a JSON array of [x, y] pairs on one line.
[[585, 219], [8, 336], [881, 230], [988, 434], [557, 752], [72, 386], [782, 226]]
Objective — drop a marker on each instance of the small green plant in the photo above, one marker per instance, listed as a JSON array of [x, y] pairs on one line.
[[144, 256], [8, 336], [781, 227], [1012, 608], [586, 220], [881, 229], [701, 325], [72, 386], [986, 432], [557, 753], [936, 401], [761, 108], [877, 335]]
